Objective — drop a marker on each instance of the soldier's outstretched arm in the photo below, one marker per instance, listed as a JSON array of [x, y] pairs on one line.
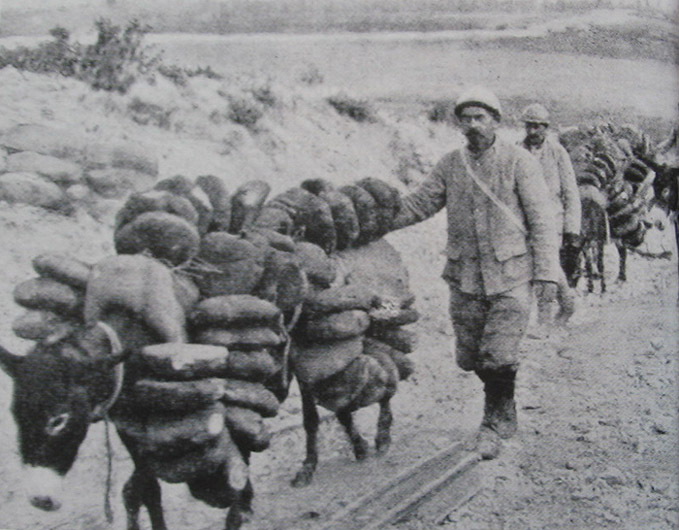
[[425, 201]]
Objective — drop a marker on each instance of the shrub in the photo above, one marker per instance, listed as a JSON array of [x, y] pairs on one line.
[[112, 63], [58, 55], [146, 113], [117, 57], [244, 112], [264, 95], [311, 75], [358, 110], [442, 111], [203, 71]]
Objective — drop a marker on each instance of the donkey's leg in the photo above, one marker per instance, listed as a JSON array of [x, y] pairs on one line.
[[359, 443], [383, 438], [622, 253], [143, 488], [238, 477], [589, 272], [600, 264], [311, 420]]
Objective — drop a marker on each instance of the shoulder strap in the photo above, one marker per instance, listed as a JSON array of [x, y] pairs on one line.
[[489, 193]]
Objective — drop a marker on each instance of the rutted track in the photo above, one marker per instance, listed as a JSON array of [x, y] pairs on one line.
[[428, 490]]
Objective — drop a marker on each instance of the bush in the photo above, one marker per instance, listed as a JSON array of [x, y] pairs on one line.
[[442, 111], [145, 113], [264, 95], [117, 58], [112, 63], [58, 55], [244, 112], [358, 110], [311, 75]]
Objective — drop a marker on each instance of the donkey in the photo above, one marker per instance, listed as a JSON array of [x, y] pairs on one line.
[[67, 382]]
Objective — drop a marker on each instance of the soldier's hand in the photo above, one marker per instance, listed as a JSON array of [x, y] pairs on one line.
[[545, 290], [571, 239]]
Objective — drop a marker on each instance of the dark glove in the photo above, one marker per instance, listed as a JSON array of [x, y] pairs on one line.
[[571, 239]]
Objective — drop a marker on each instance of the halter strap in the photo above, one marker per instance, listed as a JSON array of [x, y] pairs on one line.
[[100, 411]]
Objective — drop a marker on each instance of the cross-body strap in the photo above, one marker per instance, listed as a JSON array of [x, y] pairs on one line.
[[489, 193]]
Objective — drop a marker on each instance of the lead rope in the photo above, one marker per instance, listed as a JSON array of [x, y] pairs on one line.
[[108, 511]]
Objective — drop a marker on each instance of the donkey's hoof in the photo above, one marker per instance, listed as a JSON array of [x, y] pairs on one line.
[[361, 450], [302, 478], [382, 445]]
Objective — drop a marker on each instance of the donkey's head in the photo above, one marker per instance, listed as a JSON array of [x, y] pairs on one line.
[[60, 387]]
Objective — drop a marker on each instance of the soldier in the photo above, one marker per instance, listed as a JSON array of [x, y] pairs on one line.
[[501, 238], [563, 191]]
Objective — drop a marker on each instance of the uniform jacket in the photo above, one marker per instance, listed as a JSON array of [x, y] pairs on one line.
[[560, 178], [487, 253]]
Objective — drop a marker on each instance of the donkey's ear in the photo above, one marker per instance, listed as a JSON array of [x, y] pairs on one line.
[[9, 362]]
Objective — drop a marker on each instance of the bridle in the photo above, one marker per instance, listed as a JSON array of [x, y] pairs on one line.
[[101, 410]]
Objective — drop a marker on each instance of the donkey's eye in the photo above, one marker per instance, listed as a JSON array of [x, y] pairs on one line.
[[57, 423]]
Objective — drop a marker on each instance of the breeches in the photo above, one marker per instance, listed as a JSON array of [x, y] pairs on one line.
[[489, 329]]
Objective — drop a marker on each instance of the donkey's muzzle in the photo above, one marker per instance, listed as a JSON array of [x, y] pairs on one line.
[[45, 502]]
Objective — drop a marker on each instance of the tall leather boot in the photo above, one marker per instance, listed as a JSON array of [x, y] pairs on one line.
[[499, 415]]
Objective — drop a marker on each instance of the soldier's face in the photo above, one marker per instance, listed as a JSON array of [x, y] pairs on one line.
[[536, 132], [477, 124]]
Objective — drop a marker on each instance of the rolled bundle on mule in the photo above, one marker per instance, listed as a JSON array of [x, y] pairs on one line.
[[155, 201], [38, 325], [381, 382], [317, 186], [378, 349], [172, 434], [170, 396], [313, 363], [392, 315], [177, 361], [344, 216], [365, 207], [183, 187], [398, 338], [337, 326], [283, 282], [166, 236], [268, 237], [178, 185], [256, 366], [339, 390], [220, 201], [49, 295], [319, 268], [62, 268], [388, 201], [184, 396], [636, 172], [247, 428], [234, 265], [311, 216], [196, 463], [243, 339], [234, 310], [276, 219], [246, 204], [379, 268], [340, 298]]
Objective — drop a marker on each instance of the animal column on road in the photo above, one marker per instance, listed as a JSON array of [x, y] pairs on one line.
[[611, 183]]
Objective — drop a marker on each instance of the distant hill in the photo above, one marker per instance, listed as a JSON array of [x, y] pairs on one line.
[[34, 17]]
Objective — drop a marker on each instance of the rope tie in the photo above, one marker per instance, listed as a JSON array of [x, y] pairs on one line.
[[108, 511]]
